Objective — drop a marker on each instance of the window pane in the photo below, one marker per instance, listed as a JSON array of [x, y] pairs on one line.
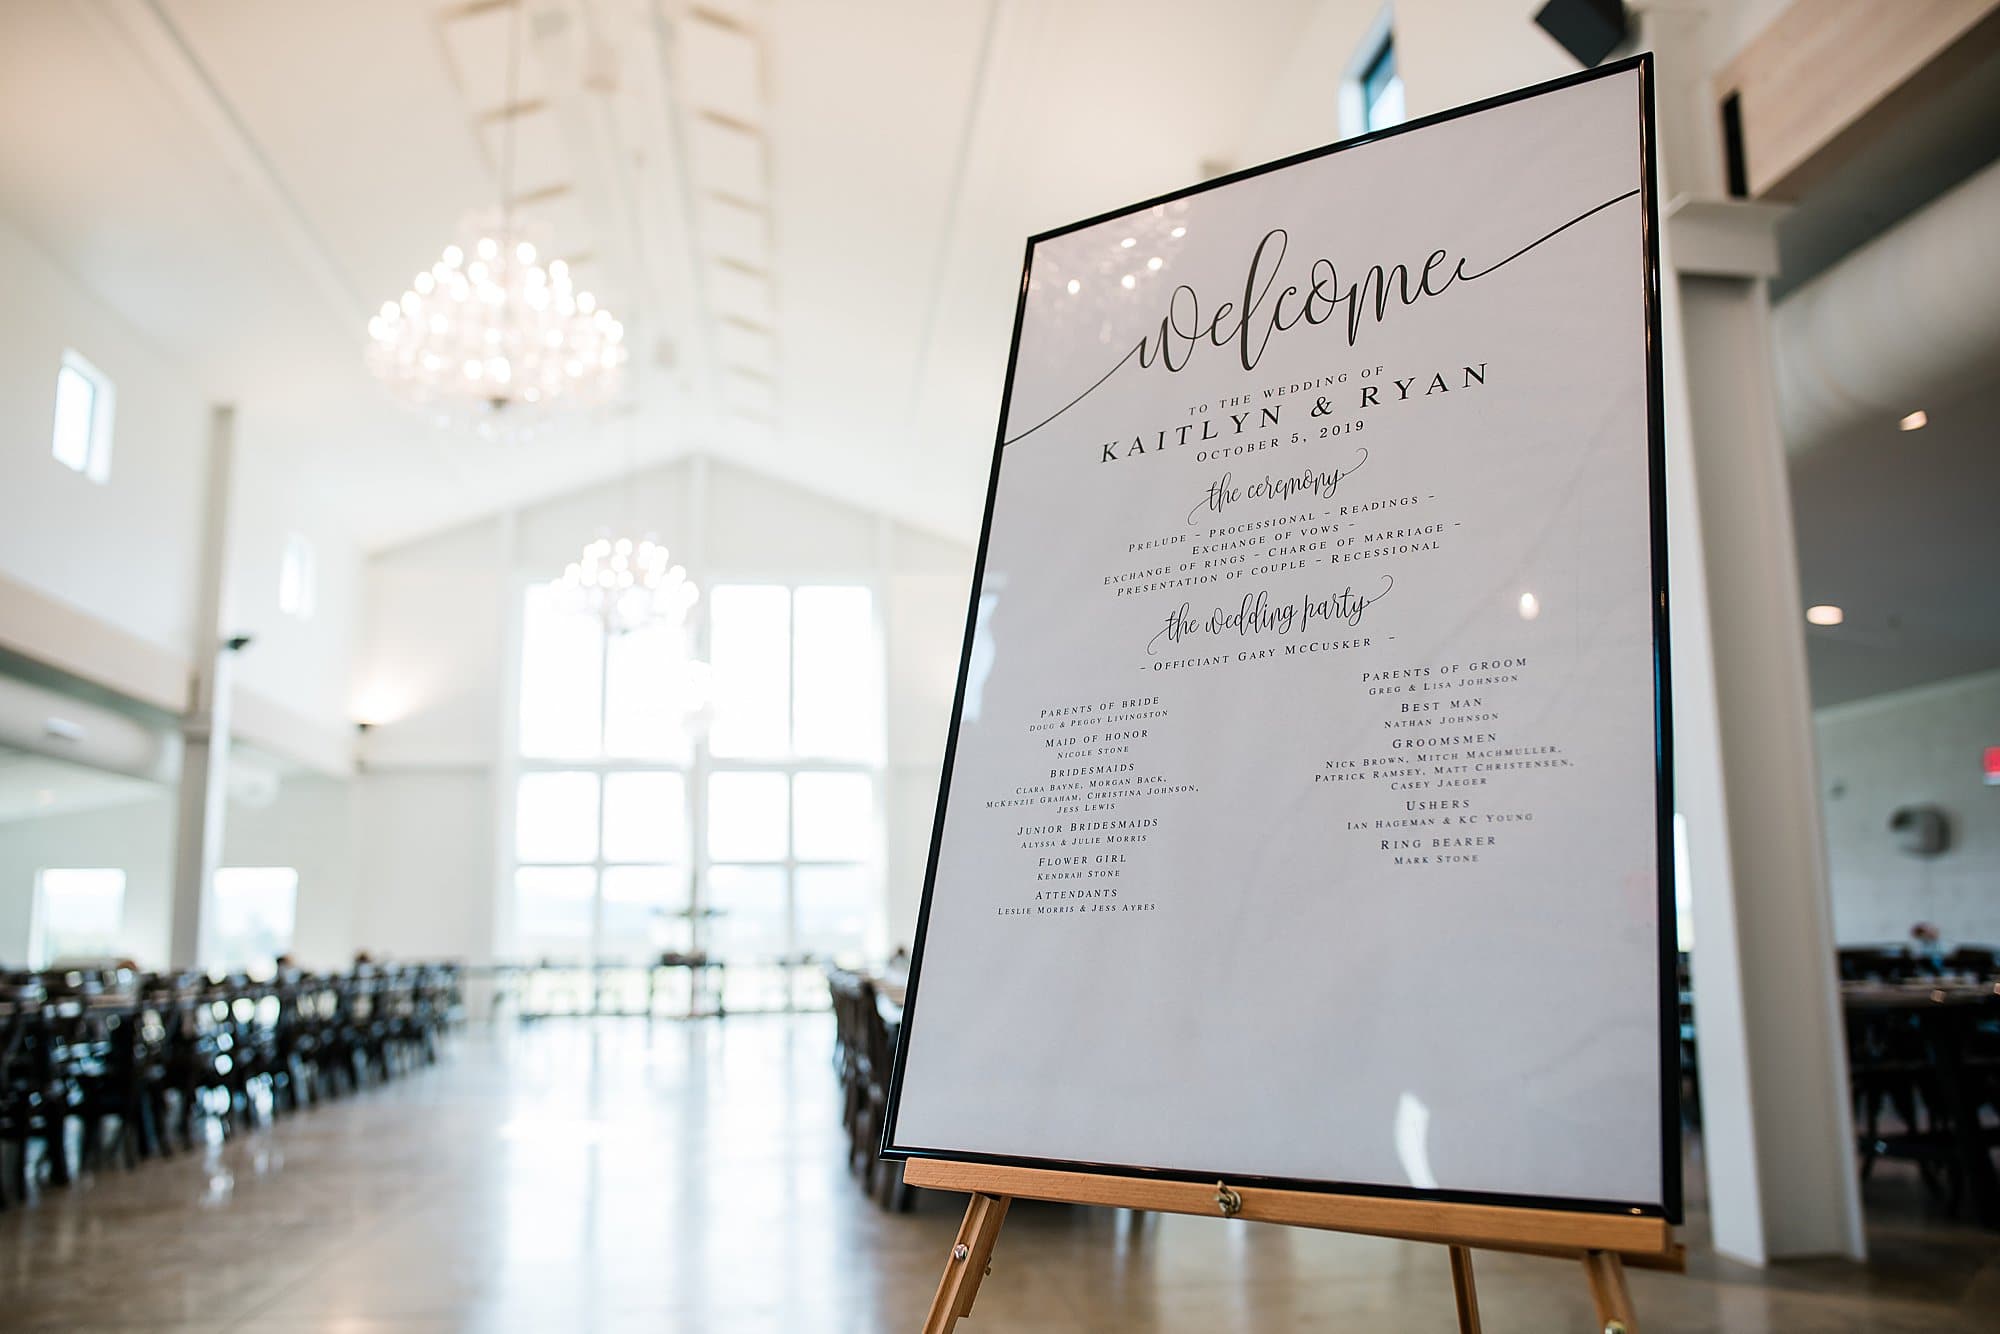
[[644, 912], [838, 691], [254, 910], [1382, 90], [833, 817], [562, 661], [77, 914], [746, 817], [836, 911], [75, 395], [1387, 107], [296, 578], [555, 818], [749, 934], [749, 643], [647, 704], [645, 817], [552, 911]]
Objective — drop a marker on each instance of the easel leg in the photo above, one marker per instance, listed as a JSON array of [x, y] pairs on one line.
[[970, 1256], [1461, 1286], [1607, 1289]]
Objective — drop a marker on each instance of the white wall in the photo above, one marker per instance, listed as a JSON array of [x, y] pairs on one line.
[[430, 680], [309, 826], [1914, 746], [302, 666], [136, 837], [425, 858], [928, 596], [126, 551], [428, 669]]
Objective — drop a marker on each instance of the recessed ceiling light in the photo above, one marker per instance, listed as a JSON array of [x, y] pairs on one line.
[[1916, 421], [1178, 232], [1128, 282], [1129, 242], [1531, 606], [1074, 287], [1154, 263], [1825, 615]]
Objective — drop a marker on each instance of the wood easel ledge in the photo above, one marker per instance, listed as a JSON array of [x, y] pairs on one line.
[[1646, 1243], [1605, 1243]]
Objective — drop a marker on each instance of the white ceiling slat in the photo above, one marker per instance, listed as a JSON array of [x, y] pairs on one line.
[[729, 159], [478, 41], [751, 392], [734, 229], [542, 156], [561, 217], [721, 67], [737, 291], [741, 345]]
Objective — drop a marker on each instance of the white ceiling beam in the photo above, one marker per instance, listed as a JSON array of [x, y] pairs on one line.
[[146, 27], [954, 206]]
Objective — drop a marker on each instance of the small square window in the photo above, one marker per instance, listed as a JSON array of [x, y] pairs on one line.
[[85, 400], [76, 915], [1382, 90], [256, 909], [296, 578]]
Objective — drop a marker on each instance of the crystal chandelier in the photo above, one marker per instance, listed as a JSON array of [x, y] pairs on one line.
[[490, 329], [493, 336], [1121, 261], [628, 584]]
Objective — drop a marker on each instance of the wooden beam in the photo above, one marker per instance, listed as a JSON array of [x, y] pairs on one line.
[[1488, 1227], [1826, 76], [1465, 1290]]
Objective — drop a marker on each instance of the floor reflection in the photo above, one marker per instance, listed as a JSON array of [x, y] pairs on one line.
[[607, 1175]]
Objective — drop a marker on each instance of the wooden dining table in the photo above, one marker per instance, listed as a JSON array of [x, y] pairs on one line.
[[1948, 1014]]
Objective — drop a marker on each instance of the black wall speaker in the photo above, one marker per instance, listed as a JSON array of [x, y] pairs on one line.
[[1588, 29]]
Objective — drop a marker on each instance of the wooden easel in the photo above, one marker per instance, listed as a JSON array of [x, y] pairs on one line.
[[1604, 1243]]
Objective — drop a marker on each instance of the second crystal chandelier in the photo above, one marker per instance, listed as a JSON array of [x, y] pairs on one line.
[[628, 583]]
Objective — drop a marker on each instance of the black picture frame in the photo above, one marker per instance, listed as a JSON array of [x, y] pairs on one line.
[[1671, 1205]]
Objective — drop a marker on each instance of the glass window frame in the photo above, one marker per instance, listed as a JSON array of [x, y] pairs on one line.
[[702, 764], [99, 421], [298, 578], [39, 952], [215, 950], [1377, 74]]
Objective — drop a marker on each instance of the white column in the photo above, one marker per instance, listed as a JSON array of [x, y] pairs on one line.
[[1778, 1139], [204, 785]]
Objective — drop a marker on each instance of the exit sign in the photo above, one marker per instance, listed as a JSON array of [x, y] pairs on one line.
[[1993, 765]]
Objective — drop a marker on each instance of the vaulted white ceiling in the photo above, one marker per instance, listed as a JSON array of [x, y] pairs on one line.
[[809, 215]]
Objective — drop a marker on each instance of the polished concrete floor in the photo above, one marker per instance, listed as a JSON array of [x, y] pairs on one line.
[[597, 1176]]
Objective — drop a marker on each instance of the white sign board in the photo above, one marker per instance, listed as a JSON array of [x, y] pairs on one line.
[[1304, 807]]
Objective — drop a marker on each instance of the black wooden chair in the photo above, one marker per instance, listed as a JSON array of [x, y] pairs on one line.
[[23, 1081]]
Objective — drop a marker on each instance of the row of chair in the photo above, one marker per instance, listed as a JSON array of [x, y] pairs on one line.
[[1897, 963], [864, 1049], [1920, 1076], [104, 1064], [1925, 1079]]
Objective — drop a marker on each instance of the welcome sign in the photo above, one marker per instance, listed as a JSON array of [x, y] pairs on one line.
[[1305, 810]]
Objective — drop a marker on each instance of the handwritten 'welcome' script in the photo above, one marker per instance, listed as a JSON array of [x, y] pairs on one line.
[[1250, 324]]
